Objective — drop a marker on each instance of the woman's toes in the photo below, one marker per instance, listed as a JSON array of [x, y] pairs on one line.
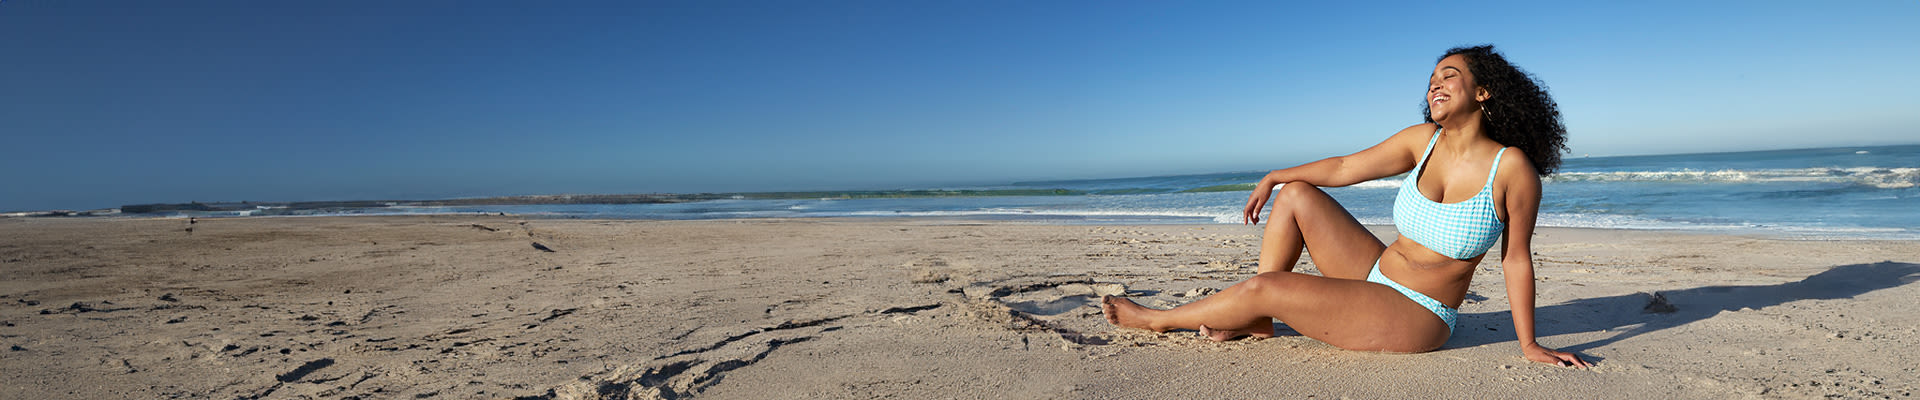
[[1123, 312], [1222, 335], [1217, 335], [1106, 307]]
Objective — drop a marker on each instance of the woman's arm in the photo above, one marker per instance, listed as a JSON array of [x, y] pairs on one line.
[[1397, 154], [1523, 206]]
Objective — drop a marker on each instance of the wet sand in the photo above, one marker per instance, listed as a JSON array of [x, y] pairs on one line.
[[467, 307]]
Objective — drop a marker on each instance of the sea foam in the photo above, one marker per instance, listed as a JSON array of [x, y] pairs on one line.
[[1878, 177]]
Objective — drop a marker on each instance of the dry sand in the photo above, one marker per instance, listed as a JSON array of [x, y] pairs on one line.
[[466, 307]]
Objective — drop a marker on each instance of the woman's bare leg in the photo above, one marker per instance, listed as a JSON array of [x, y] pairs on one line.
[[1350, 314], [1304, 217]]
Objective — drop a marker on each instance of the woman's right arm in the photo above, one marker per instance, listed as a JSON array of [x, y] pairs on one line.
[[1397, 154]]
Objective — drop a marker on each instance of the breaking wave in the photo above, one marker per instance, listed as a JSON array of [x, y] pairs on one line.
[[1883, 178]]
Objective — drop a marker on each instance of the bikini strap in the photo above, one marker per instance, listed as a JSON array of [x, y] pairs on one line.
[[1423, 156], [1496, 166]]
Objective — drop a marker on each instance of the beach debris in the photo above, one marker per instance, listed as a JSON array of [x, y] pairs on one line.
[[542, 247], [558, 313], [174, 306], [1657, 303], [909, 309], [84, 307], [169, 297], [1199, 291], [304, 369], [484, 228]]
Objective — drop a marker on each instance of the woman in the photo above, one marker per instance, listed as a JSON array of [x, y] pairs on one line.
[[1473, 179]]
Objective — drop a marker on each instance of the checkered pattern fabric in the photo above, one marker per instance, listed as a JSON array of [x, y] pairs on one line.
[[1460, 230], [1446, 314]]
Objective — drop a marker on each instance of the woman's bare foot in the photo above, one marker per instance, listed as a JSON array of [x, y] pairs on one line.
[[1124, 312], [1222, 335]]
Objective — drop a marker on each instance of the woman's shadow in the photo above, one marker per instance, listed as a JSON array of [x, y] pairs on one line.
[[1630, 315]]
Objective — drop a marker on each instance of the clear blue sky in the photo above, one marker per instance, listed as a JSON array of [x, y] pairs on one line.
[[107, 103]]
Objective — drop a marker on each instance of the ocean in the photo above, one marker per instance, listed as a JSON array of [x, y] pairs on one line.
[[1852, 192]]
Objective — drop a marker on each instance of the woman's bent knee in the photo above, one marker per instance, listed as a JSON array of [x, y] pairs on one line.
[[1268, 283], [1300, 190], [1291, 195]]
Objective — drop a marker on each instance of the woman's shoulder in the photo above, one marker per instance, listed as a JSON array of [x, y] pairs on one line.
[[1515, 163], [1423, 130], [1515, 158], [1515, 181], [1414, 137]]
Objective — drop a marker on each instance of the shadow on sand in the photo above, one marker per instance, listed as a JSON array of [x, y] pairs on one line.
[[1625, 316]]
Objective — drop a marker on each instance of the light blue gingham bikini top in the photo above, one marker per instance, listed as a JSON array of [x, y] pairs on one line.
[[1460, 230]]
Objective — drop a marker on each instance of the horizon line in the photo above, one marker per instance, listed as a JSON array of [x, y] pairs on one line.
[[876, 188]]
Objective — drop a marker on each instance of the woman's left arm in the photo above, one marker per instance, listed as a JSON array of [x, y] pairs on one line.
[[1523, 206]]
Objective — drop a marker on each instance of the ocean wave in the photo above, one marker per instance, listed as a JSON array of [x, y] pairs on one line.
[[1883, 178]]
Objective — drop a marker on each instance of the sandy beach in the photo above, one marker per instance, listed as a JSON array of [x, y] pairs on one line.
[[465, 307]]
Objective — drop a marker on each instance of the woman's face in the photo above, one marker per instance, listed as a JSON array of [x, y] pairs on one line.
[[1451, 92]]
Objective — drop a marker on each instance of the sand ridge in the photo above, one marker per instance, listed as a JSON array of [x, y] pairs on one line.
[[467, 307]]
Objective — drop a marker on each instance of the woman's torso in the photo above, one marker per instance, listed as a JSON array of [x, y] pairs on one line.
[[1448, 181]]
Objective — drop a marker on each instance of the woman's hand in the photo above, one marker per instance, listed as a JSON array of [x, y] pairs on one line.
[[1538, 353], [1262, 190]]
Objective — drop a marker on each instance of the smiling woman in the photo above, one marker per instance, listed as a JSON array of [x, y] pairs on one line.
[[1462, 194], [1519, 111]]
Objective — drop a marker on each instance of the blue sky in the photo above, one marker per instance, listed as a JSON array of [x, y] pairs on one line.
[[109, 103]]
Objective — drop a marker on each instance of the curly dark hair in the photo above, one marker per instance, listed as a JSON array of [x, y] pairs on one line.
[[1519, 113]]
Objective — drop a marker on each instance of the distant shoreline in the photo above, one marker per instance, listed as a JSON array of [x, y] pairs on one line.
[[279, 208], [1818, 193], [285, 207]]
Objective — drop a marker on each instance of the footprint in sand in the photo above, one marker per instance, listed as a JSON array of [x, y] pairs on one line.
[[1065, 305], [1060, 299]]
